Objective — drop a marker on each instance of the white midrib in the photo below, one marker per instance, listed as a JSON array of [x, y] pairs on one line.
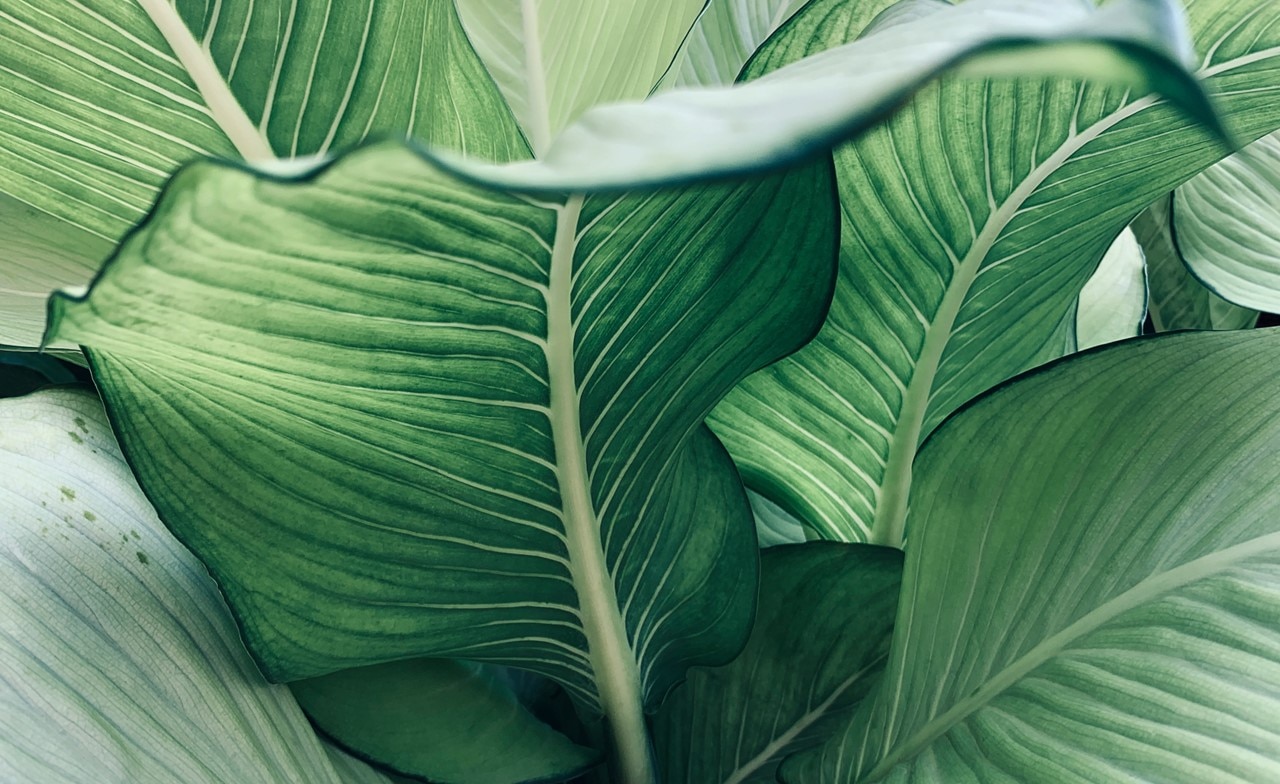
[[895, 488], [1144, 591], [779, 744], [613, 662], [535, 79], [223, 106]]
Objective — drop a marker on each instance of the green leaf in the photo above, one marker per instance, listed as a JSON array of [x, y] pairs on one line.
[[447, 721], [555, 59], [1177, 300], [1097, 596], [773, 525], [118, 659], [1113, 302], [1228, 226], [424, 420], [683, 135], [103, 102], [971, 221], [725, 36], [820, 640]]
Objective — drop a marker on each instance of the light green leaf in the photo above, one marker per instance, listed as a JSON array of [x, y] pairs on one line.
[[683, 135], [820, 641], [1093, 580], [103, 101], [1228, 226], [118, 659], [773, 525], [554, 59], [970, 222], [1176, 299], [447, 721], [1113, 302], [467, 425], [725, 36]]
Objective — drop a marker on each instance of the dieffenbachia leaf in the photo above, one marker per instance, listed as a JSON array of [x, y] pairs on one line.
[[1097, 597], [820, 640], [1113, 302], [1227, 222], [444, 720], [118, 659], [683, 135], [1176, 299], [773, 525], [970, 222], [554, 59], [399, 416], [103, 101], [725, 36]]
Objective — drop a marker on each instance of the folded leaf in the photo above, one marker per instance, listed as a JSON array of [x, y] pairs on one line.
[[401, 417], [820, 641], [1228, 226], [447, 721], [802, 110], [970, 223], [103, 101], [118, 659], [1096, 597], [1113, 302], [1177, 300]]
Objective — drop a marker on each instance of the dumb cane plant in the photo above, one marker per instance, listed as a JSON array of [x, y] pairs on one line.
[[411, 316]]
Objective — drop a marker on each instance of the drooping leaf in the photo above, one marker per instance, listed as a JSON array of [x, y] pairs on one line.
[[820, 641], [554, 59], [118, 659], [1092, 582], [970, 222], [1176, 299], [1228, 226], [447, 721], [1113, 302], [724, 37], [399, 416], [800, 111], [103, 101]]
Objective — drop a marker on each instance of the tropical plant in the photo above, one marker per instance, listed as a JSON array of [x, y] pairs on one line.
[[453, 362]]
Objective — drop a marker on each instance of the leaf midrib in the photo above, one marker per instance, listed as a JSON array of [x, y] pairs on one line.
[[1147, 589]]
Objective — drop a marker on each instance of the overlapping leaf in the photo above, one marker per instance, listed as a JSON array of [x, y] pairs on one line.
[[1113, 302], [971, 221], [1097, 596], [399, 416], [120, 660], [724, 38]]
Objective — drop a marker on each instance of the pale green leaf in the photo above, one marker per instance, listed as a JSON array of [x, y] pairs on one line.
[[802, 110], [820, 641], [773, 525], [555, 59], [1113, 302], [118, 659], [421, 419], [723, 39], [447, 721], [1092, 586], [971, 220], [103, 101], [1227, 222]]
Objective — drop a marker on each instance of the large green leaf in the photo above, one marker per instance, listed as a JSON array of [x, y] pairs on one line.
[[1092, 587], [682, 135], [970, 223], [820, 640], [118, 659], [398, 416], [1113, 302], [1228, 226], [554, 59], [102, 101], [724, 38], [445, 720], [1177, 300]]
